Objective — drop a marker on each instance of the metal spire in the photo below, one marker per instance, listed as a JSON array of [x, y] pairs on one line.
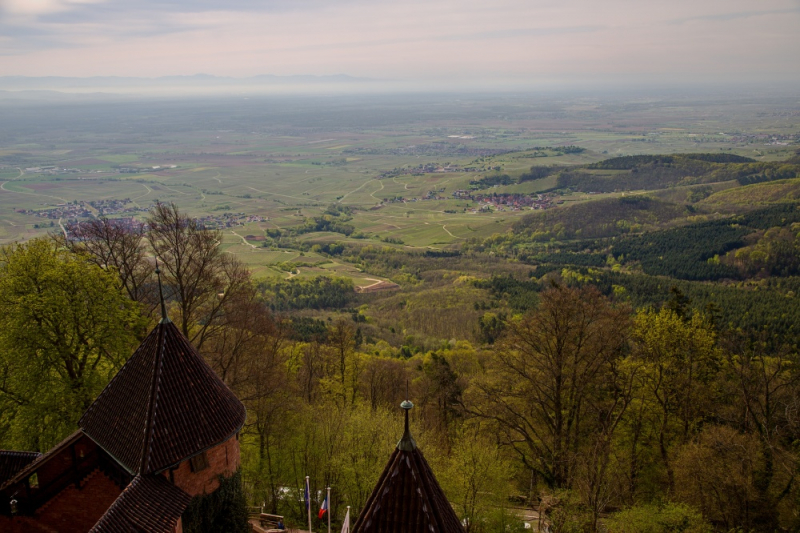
[[407, 443], [164, 318]]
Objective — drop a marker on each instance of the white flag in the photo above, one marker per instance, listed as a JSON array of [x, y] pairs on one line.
[[346, 523]]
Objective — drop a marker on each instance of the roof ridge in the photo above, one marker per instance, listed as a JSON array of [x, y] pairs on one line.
[[144, 460], [165, 405], [30, 467]]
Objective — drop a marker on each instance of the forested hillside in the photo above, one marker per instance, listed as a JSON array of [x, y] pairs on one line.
[[623, 363], [646, 172]]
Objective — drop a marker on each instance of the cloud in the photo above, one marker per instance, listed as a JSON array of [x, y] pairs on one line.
[[42, 7], [413, 39], [724, 17]]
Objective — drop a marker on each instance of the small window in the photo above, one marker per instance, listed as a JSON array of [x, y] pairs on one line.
[[199, 462], [33, 481]]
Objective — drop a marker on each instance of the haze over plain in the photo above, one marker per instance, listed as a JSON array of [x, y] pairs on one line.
[[439, 43]]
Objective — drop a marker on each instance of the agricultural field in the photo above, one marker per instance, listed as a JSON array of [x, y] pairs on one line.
[[400, 171]]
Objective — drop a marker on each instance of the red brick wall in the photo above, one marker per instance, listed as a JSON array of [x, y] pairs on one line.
[[19, 524], [79, 509], [72, 510], [223, 459]]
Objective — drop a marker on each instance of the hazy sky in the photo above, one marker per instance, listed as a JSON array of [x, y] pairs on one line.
[[457, 40]]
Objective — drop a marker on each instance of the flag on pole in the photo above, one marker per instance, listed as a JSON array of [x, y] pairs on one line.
[[346, 523], [306, 496], [324, 508]]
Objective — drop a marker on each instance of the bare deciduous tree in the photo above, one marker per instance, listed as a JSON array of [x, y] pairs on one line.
[[201, 279], [118, 245]]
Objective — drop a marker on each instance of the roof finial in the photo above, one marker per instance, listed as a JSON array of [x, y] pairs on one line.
[[407, 443], [164, 318]]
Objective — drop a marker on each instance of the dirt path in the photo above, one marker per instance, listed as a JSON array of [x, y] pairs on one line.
[[63, 229], [276, 194], [388, 224], [373, 193], [405, 185], [175, 190], [148, 189], [354, 190], [244, 241], [377, 282], [3, 187], [444, 227]]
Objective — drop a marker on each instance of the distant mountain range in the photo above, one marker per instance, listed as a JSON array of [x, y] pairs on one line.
[[206, 80]]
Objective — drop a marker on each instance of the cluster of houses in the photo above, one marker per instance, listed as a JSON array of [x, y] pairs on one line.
[[81, 209], [113, 207], [228, 220], [64, 211], [427, 168], [72, 212], [506, 201], [138, 170], [52, 170], [485, 201]]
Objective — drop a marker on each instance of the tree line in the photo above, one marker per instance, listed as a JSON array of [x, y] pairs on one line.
[[601, 411]]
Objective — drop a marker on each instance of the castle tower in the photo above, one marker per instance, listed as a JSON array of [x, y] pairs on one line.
[[161, 432], [407, 498]]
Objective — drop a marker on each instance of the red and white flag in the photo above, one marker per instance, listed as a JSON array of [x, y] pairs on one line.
[[324, 508]]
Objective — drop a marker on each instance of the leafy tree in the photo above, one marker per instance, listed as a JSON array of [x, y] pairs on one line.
[[477, 477], [439, 391], [491, 326], [716, 472], [66, 327], [678, 359], [225, 509], [319, 292], [547, 378], [761, 386], [655, 518]]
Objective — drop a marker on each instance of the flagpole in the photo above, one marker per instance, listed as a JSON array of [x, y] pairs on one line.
[[346, 524], [329, 509], [308, 504]]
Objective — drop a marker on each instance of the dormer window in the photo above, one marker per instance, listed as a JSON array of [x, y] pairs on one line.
[[199, 462]]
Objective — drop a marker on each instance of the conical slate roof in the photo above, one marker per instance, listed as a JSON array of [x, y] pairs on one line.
[[407, 498], [164, 406]]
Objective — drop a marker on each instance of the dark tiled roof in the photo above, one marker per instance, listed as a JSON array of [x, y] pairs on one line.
[[33, 465], [164, 406], [12, 462], [407, 498], [149, 504]]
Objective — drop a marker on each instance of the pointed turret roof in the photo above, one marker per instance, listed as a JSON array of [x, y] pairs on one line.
[[164, 406], [407, 498]]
